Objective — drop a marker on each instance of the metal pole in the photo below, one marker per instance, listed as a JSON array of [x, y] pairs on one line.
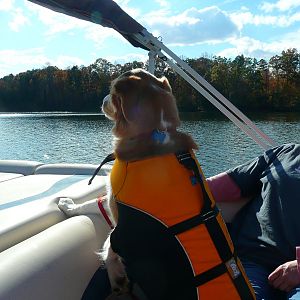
[[152, 56]]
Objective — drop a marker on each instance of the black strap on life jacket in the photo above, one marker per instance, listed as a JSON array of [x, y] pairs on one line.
[[110, 157], [208, 213], [208, 217]]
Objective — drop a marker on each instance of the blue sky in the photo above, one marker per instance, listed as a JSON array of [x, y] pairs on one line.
[[34, 37]]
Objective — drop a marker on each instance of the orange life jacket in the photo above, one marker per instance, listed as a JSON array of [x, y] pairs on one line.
[[169, 194]]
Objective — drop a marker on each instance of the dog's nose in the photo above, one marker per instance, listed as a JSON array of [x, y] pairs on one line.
[[105, 101]]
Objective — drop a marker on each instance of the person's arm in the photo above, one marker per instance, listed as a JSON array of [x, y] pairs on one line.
[[227, 195], [243, 181], [223, 188]]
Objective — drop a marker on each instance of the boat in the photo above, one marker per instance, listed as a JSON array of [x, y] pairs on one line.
[[43, 253]]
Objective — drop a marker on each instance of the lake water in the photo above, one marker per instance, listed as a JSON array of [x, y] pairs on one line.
[[86, 138]]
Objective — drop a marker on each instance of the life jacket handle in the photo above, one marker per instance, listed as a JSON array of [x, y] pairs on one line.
[[110, 157]]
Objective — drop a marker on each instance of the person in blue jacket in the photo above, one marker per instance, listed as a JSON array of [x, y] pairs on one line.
[[266, 231]]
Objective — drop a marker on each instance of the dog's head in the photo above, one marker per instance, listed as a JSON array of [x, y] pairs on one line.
[[139, 103]]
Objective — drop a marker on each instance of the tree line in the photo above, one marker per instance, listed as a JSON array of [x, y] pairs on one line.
[[248, 83]]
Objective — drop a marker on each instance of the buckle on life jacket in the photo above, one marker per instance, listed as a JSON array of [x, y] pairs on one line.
[[193, 221], [186, 159]]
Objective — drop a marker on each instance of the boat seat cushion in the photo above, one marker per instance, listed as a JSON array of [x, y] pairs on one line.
[[28, 204], [57, 263], [71, 169], [19, 166]]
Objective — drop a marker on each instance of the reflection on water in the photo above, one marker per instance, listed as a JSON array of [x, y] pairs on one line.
[[86, 138]]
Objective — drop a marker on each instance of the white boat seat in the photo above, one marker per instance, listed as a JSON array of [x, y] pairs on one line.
[[69, 169], [28, 204], [24, 167], [55, 264]]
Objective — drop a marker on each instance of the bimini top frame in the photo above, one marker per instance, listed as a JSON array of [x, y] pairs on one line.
[[158, 49], [107, 13]]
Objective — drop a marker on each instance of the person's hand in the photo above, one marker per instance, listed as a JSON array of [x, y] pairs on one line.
[[285, 277]]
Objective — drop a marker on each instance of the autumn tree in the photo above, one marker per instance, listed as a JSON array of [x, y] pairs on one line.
[[248, 83]]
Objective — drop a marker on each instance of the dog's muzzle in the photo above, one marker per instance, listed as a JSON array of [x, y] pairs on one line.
[[106, 98], [104, 102]]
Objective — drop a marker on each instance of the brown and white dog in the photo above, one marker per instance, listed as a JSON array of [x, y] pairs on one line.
[[138, 104]]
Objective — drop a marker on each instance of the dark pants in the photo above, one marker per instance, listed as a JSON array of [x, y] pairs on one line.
[[99, 289], [258, 277], [99, 286]]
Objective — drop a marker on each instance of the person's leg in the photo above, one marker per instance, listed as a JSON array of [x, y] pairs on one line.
[[258, 277], [99, 286], [99, 289]]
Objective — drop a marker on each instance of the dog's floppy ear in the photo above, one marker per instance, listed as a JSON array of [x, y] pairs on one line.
[[166, 84]]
